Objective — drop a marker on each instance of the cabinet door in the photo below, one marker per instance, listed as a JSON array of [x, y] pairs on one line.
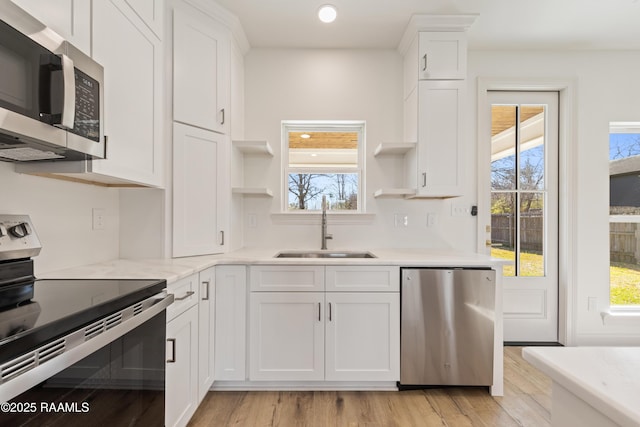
[[286, 336], [200, 71], [206, 329], [181, 395], [70, 19], [363, 337], [231, 323], [132, 58], [439, 138], [198, 205], [442, 55]]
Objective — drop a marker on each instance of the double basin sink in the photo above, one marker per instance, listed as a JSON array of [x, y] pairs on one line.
[[324, 254]]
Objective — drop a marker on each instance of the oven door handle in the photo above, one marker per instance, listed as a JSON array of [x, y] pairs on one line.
[[76, 348]]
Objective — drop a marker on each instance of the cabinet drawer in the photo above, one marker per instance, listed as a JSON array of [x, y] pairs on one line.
[[185, 292], [361, 278], [286, 278]]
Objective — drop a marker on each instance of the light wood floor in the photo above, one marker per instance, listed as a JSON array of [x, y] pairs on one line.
[[526, 402]]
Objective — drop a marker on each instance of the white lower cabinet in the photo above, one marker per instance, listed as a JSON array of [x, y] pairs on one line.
[[362, 337], [287, 336], [181, 396], [352, 335], [190, 345], [230, 323], [206, 329]]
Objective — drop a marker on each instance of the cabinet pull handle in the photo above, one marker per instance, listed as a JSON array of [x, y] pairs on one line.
[[424, 179], [329, 312], [206, 287], [222, 111], [187, 295], [319, 309], [173, 350], [424, 62], [221, 237]]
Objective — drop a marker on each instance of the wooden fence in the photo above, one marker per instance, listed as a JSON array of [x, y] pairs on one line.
[[624, 237], [531, 233], [624, 245]]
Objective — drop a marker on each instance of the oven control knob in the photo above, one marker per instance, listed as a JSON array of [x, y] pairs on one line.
[[3, 230], [20, 230]]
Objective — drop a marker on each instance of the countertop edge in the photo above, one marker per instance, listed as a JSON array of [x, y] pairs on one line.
[[540, 358]]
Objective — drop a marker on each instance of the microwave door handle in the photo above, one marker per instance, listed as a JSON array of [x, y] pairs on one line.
[[69, 102]]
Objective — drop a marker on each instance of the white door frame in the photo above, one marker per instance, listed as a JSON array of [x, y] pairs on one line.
[[567, 151]]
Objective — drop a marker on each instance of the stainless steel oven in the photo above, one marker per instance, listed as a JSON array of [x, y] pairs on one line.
[[51, 94], [73, 352]]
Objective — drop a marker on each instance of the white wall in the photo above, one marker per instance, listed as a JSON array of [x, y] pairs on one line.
[[293, 84], [62, 216]]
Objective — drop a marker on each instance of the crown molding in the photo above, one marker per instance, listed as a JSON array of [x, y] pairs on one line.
[[419, 23]]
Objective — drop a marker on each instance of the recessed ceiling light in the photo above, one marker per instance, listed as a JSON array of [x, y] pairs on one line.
[[305, 136], [327, 13]]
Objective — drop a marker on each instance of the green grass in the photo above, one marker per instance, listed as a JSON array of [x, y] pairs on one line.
[[624, 278]]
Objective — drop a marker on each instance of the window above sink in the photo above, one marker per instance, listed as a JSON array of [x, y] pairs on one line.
[[323, 158]]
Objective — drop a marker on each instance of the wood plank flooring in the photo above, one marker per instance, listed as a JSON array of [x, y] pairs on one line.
[[526, 402]]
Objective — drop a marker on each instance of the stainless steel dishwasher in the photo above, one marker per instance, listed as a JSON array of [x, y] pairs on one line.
[[446, 327]]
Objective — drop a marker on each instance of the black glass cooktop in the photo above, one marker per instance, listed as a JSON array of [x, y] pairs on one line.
[[58, 307]]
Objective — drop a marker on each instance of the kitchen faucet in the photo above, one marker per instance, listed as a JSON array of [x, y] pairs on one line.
[[325, 236]]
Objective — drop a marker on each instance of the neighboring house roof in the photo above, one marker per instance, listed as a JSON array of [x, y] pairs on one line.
[[628, 165]]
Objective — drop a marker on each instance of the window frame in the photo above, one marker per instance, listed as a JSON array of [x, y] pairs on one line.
[[358, 126], [623, 128]]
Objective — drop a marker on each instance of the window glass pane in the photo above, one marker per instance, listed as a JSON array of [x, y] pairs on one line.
[[531, 234], [503, 147], [532, 137], [306, 191], [323, 149], [624, 208], [503, 229], [624, 268]]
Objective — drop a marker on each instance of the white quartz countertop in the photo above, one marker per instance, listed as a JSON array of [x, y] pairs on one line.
[[607, 378], [173, 269]]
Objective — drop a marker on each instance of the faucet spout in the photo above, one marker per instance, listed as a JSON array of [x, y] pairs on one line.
[[325, 236]]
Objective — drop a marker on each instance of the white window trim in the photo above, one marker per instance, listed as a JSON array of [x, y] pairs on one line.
[[323, 126], [622, 312]]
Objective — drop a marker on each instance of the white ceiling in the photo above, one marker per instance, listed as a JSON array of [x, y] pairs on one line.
[[501, 24]]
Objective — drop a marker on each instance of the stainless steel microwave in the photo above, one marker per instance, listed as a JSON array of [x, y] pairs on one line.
[[51, 97]]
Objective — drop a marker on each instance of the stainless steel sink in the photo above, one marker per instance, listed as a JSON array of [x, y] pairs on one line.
[[324, 254]]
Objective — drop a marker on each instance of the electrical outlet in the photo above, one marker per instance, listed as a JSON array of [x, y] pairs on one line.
[[401, 220], [460, 210], [99, 217], [432, 219], [253, 220], [592, 304]]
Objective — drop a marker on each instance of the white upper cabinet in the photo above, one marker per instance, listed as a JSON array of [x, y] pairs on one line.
[[132, 59], [439, 152], [199, 186], [442, 55], [70, 19], [151, 12], [201, 67]]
